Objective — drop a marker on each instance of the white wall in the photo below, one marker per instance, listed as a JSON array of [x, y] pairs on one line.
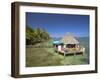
[[5, 37]]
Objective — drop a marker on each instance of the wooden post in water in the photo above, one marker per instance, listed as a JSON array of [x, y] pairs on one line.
[[74, 57], [83, 49], [64, 54]]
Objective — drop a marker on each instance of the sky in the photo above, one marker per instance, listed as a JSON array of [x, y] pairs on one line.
[[58, 25]]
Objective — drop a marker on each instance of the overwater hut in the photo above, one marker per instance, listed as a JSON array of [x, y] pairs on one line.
[[69, 41], [70, 45]]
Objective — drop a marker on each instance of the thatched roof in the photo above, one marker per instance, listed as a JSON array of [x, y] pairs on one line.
[[69, 39]]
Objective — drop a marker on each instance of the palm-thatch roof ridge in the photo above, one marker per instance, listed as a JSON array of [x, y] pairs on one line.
[[69, 39]]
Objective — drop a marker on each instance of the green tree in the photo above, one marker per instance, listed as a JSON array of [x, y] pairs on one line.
[[37, 35]]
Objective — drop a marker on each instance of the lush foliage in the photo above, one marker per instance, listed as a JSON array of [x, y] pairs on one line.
[[36, 35]]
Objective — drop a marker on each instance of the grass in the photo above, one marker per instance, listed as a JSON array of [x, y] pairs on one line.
[[46, 56]]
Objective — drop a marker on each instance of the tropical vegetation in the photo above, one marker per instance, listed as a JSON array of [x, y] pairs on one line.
[[36, 35]]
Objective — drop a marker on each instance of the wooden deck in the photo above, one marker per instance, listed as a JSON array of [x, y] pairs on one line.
[[72, 51]]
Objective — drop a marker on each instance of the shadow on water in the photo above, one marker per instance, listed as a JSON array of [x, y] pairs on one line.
[[70, 54]]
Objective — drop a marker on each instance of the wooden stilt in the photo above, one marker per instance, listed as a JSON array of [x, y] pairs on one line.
[[74, 57], [64, 54]]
